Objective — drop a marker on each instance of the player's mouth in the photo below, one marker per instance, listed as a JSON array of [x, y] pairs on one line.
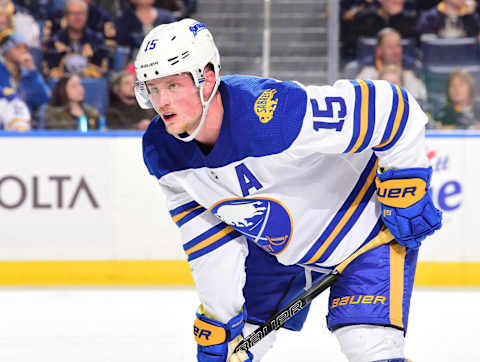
[[168, 116]]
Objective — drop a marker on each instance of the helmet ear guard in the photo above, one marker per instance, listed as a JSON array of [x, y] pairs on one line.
[[142, 96]]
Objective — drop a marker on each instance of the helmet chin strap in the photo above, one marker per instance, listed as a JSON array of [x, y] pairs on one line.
[[205, 106]]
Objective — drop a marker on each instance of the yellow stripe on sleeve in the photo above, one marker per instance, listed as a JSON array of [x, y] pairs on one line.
[[397, 267], [185, 213], [217, 236], [346, 216], [363, 115], [398, 117]]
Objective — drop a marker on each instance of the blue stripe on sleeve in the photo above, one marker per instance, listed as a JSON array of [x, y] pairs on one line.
[[182, 208], [343, 209], [356, 115], [403, 123], [190, 216], [230, 236], [190, 244], [391, 118], [348, 226]]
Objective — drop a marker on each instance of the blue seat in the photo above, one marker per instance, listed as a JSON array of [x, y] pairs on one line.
[[120, 58], [450, 52], [96, 93], [366, 47], [40, 116]]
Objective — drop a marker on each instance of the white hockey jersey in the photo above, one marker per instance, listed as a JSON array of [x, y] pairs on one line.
[[293, 170], [14, 115]]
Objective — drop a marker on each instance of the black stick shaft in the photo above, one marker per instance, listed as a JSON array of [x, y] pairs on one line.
[[303, 300], [281, 317]]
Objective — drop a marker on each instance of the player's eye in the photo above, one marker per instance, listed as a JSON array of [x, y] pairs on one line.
[[173, 86]]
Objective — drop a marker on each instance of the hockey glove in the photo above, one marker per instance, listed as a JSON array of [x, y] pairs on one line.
[[407, 207], [216, 341]]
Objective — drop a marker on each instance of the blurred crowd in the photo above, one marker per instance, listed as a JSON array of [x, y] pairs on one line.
[[67, 64], [429, 47]]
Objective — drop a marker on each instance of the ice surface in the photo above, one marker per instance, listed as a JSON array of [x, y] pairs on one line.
[[155, 324]]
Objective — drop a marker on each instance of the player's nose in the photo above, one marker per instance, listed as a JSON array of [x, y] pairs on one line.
[[161, 98]]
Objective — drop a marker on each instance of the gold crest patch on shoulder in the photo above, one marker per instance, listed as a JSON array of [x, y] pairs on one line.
[[265, 105], [8, 91]]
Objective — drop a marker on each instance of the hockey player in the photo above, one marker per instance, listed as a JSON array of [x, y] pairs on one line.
[[274, 183]]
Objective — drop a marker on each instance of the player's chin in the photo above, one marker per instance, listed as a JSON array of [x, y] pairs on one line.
[[174, 129]]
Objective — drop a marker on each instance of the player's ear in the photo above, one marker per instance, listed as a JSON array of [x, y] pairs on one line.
[[209, 75]]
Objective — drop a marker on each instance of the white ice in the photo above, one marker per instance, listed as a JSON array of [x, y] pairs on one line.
[[155, 324]]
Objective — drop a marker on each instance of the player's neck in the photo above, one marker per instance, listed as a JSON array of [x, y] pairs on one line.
[[210, 131]]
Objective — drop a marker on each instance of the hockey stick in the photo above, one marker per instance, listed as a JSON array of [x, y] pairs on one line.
[[279, 318]]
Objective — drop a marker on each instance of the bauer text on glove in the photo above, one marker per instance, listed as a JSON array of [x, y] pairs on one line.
[[216, 340], [407, 207]]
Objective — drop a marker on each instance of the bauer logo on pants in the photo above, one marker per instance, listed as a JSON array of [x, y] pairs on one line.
[[267, 222]]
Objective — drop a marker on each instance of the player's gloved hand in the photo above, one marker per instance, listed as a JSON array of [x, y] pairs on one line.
[[216, 340], [407, 207]]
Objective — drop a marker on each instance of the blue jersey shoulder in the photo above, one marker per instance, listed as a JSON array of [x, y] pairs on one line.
[[261, 117], [265, 115]]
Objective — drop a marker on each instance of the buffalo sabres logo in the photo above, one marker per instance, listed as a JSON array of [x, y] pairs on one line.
[[265, 105], [196, 28], [265, 221]]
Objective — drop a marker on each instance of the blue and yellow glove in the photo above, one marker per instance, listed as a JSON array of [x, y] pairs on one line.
[[216, 341], [407, 207]]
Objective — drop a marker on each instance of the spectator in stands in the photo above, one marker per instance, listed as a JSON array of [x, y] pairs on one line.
[[114, 8], [124, 112], [349, 9], [393, 74], [100, 21], [375, 16], [179, 8], [6, 16], [450, 19], [39, 8], [462, 110], [421, 5], [18, 71], [14, 115], [97, 20], [189, 8], [76, 48], [137, 22], [20, 21], [389, 52], [67, 110]]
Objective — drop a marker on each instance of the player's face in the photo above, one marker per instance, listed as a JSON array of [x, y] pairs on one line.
[[177, 100]]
